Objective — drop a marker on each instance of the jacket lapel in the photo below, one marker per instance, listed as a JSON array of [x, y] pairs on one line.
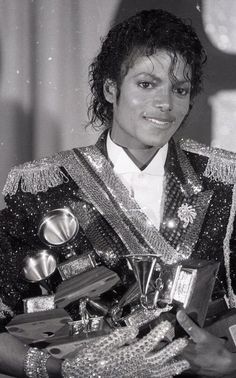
[[185, 202]]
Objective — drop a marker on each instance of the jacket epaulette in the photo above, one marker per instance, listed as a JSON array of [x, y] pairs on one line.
[[35, 176], [221, 164], [40, 175]]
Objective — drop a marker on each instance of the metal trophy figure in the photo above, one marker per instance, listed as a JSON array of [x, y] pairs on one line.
[[58, 226], [187, 285], [39, 266], [143, 267]]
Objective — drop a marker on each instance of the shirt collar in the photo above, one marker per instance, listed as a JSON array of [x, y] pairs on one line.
[[122, 163]]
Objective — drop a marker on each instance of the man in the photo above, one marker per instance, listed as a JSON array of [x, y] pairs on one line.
[[135, 192]]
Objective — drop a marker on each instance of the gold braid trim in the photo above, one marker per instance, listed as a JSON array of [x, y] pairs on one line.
[[221, 165], [35, 176]]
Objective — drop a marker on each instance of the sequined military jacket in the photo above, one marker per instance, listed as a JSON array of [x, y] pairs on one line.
[[198, 217]]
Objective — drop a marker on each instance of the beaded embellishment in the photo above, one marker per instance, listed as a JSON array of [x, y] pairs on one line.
[[221, 166], [187, 214], [34, 177]]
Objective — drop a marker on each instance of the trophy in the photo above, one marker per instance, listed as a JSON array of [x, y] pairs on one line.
[[143, 267], [58, 227], [187, 285], [82, 280], [38, 267]]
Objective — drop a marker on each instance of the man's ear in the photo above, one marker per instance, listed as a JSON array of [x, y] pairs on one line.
[[109, 90]]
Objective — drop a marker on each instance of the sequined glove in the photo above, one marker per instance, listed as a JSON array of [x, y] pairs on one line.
[[122, 355]]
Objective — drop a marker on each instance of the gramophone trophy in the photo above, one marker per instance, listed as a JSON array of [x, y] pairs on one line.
[[187, 285], [82, 280], [58, 228], [39, 266], [143, 267]]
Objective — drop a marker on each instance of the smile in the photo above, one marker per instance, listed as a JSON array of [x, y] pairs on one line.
[[159, 122]]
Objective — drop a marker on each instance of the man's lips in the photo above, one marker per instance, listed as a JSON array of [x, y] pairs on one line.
[[158, 121]]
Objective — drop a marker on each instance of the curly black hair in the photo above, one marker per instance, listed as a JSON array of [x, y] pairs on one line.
[[141, 35]]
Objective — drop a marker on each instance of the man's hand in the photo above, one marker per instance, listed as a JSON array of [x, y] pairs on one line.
[[121, 354], [205, 352]]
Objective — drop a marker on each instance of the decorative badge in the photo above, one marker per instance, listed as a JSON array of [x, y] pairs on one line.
[[187, 214]]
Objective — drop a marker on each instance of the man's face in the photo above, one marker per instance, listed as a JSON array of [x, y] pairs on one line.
[[151, 107]]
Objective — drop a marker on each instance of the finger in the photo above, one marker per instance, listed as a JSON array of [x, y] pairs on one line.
[[168, 352], [116, 338], [112, 341], [197, 334], [171, 369], [148, 342]]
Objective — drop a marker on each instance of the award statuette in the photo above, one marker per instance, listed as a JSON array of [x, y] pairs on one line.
[[58, 227], [143, 267], [39, 266], [188, 284]]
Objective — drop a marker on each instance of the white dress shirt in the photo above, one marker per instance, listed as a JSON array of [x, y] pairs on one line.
[[145, 186]]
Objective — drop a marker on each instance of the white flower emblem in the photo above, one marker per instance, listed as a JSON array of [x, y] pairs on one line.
[[187, 214]]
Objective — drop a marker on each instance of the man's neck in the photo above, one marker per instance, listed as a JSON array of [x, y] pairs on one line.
[[141, 157]]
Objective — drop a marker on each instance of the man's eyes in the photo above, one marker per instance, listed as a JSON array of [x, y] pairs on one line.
[[146, 84], [181, 91]]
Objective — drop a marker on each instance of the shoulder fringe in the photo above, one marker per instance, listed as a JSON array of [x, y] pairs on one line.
[[35, 176], [221, 165]]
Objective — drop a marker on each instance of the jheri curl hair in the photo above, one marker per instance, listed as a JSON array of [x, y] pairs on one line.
[[141, 35]]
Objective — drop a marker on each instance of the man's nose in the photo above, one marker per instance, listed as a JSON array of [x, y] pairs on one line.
[[163, 101]]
